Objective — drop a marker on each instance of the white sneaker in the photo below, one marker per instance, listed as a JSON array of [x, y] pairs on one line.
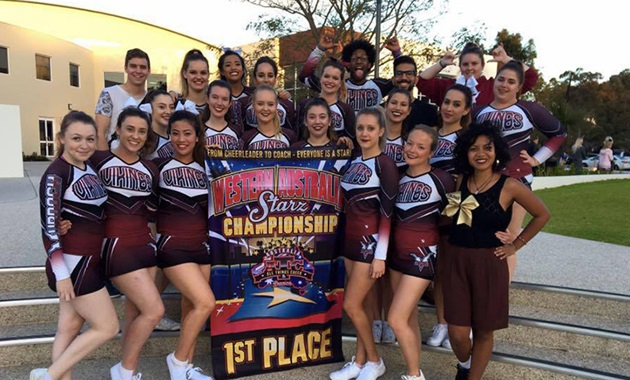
[[38, 374], [196, 373], [176, 371], [138, 376], [167, 324], [372, 370], [440, 333], [388, 334], [413, 377], [377, 331], [349, 371], [447, 344], [114, 372]]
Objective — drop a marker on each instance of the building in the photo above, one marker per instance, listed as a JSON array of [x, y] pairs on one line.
[[55, 58]]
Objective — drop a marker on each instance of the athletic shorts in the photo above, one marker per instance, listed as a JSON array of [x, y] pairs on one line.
[[176, 250], [124, 254], [85, 272], [476, 288]]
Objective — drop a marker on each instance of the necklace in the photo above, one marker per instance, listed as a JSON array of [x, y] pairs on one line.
[[483, 185]]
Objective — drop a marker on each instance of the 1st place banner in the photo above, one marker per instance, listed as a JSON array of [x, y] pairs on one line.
[[275, 231]]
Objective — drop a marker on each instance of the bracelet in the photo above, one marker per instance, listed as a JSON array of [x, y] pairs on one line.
[[441, 64], [519, 237]]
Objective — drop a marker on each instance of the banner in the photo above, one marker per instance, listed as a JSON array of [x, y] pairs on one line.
[[277, 275]]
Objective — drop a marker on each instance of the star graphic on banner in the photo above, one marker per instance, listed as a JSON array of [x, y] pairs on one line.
[[280, 296], [220, 310]]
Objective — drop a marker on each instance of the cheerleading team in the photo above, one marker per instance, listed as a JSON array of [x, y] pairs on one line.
[[71, 190], [516, 120], [182, 227], [370, 185], [129, 257], [412, 260], [476, 278], [269, 134], [454, 119]]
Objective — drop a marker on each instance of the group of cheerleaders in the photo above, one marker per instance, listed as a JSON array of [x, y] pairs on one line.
[[141, 208]]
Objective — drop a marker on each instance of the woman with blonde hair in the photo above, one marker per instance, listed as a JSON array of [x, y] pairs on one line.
[[578, 153], [269, 134]]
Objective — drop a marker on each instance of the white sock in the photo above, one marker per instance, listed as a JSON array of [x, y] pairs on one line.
[[126, 374], [179, 363], [466, 364], [443, 324], [47, 377]]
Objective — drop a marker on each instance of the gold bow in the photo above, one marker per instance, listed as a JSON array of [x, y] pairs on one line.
[[465, 208]]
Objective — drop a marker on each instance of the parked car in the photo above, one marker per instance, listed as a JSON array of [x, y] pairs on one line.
[[620, 163]]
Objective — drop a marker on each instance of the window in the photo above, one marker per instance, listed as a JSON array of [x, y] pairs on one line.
[[4, 60], [112, 79], [46, 137], [42, 66], [74, 75], [156, 81]]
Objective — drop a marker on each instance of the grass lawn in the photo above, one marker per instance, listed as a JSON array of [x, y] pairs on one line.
[[597, 211]]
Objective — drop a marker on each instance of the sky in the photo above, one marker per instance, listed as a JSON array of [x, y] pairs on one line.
[[568, 35]]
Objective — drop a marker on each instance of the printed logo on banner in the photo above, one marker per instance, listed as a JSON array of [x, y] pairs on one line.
[[284, 266]]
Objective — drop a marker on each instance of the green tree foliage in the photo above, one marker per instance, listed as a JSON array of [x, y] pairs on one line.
[[513, 45], [590, 108]]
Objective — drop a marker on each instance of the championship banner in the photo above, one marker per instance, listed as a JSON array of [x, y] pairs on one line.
[[277, 275]]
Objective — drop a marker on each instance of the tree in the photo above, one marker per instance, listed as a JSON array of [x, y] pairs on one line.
[[513, 45], [352, 19]]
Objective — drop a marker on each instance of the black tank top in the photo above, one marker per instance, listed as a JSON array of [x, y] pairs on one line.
[[487, 219]]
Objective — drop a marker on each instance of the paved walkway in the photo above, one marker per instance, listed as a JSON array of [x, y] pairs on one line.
[[548, 259]]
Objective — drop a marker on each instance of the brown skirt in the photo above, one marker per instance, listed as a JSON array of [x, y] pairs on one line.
[[476, 288]]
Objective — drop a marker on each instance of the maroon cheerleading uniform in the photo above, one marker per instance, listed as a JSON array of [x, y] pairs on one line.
[[369, 189], [286, 113], [70, 193], [182, 222], [236, 105], [226, 138], [394, 150], [256, 140], [419, 202], [132, 200], [516, 123], [445, 152], [163, 148]]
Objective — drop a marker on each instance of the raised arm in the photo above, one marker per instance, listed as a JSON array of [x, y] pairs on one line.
[[432, 71], [500, 56], [307, 74]]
